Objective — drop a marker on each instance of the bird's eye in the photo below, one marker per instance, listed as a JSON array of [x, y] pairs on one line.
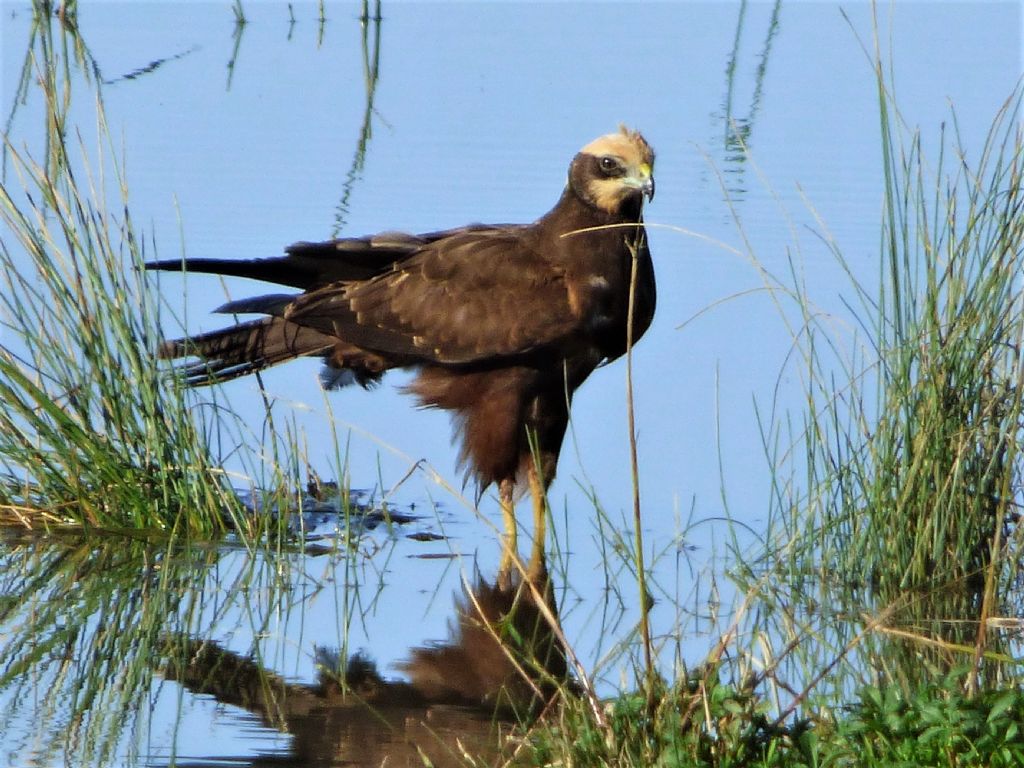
[[610, 165]]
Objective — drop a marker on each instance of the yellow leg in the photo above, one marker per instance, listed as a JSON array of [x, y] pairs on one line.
[[510, 541], [540, 520]]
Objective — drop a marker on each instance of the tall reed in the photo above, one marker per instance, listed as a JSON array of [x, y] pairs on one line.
[[92, 431], [894, 516]]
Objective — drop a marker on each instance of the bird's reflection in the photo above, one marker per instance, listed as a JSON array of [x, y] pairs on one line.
[[501, 663]]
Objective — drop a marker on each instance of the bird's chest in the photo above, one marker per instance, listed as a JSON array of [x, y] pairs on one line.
[[599, 292]]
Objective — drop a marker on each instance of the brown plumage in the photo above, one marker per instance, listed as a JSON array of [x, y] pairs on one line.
[[501, 322]]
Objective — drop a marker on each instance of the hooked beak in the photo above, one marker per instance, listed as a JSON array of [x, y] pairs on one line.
[[644, 180], [647, 187]]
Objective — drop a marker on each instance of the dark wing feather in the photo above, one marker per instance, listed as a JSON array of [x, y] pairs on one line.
[[312, 265], [470, 295], [309, 266]]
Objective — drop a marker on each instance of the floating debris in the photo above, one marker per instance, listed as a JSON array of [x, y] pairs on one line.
[[326, 512]]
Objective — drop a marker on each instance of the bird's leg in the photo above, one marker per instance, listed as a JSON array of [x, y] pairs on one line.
[[540, 518], [509, 543]]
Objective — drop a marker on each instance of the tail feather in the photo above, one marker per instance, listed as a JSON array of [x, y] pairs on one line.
[[270, 304], [243, 349]]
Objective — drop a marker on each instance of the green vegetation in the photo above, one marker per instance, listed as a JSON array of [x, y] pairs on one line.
[[91, 433], [913, 462], [94, 434], [702, 725], [900, 546], [877, 627]]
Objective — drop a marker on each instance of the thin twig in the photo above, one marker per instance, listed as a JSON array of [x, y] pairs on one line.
[[634, 465]]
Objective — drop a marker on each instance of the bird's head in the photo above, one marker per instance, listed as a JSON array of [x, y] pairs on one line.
[[613, 173]]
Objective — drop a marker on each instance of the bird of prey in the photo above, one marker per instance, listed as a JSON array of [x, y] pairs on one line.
[[502, 323]]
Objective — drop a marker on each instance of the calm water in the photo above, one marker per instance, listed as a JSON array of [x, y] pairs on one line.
[[238, 141]]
